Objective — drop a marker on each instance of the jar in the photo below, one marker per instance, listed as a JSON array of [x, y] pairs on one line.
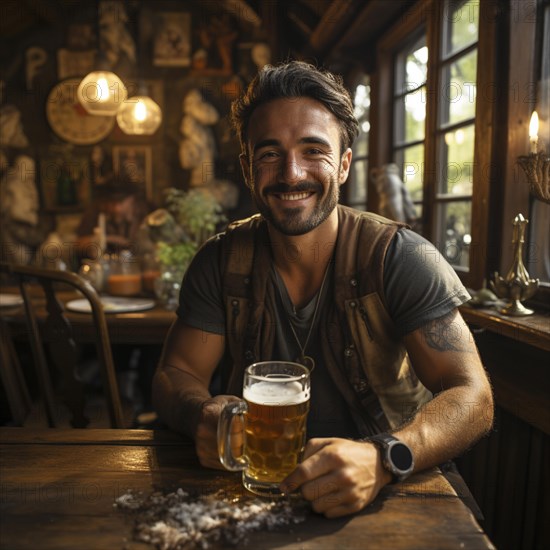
[[92, 271], [124, 275], [167, 288]]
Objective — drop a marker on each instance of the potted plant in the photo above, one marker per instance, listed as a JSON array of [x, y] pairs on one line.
[[177, 230]]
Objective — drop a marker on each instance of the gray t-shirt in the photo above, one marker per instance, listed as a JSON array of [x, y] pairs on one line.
[[418, 283]]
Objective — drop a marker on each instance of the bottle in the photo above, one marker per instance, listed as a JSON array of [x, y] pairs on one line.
[[66, 189]]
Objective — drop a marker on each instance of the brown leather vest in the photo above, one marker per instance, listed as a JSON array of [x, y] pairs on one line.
[[364, 355]]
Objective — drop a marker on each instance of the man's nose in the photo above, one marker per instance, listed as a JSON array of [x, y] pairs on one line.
[[291, 170]]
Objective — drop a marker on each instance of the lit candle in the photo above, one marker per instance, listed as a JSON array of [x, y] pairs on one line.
[[534, 131]]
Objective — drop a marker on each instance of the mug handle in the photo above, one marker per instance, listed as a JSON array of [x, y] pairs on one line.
[[229, 461]]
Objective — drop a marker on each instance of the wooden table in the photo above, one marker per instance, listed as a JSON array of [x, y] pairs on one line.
[[58, 488], [143, 327]]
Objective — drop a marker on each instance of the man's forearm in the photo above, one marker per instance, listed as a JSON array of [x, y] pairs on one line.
[[448, 425], [178, 398]]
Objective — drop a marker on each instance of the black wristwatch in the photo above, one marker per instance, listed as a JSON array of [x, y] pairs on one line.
[[397, 457]]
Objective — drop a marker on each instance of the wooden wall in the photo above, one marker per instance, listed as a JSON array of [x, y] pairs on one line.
[[508, 471]]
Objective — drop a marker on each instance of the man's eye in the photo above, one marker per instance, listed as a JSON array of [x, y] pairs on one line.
[[268, 155], [314, 151]]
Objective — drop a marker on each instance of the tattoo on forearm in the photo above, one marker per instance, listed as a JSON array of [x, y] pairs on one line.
[[443, 334]]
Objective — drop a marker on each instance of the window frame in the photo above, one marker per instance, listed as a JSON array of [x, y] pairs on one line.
[[428, 15]]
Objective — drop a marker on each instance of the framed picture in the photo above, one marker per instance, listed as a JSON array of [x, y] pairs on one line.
[[172, 39], [64, 184], [133, 163], [74, 63]]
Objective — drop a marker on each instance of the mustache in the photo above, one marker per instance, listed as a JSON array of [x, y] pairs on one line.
[[302, 187]]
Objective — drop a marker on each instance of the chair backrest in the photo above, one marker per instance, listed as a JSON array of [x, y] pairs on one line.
[[55, 330]]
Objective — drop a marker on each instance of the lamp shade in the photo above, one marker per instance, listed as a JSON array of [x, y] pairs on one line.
[[101, 93], [139, 115]]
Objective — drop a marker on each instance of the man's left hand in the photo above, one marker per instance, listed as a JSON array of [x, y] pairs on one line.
[[338, 476]]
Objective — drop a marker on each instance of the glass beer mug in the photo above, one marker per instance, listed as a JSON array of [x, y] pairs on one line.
[[274, 411]]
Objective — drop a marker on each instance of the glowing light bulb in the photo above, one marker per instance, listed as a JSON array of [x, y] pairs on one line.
[[102, 89], [140, 111]]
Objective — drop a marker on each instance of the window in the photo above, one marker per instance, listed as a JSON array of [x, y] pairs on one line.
[[478, 89], [357, 191], [454, 67], [538, 257], [457, 67], [409, 132]]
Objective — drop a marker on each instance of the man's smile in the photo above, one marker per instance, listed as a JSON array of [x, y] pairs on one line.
[[296, 196]]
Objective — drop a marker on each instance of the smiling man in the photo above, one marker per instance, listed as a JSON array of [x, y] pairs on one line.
[[369, 306]]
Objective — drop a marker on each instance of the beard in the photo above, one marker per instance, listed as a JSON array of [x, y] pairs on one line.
[[293, 221]]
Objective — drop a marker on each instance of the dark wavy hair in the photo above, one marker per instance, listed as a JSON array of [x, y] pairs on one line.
[[296, 79]]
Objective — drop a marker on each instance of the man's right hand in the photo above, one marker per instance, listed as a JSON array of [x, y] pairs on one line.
[[206, 433]]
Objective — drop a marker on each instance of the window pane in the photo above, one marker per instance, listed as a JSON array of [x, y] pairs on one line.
[[416, 67], [411, 159], [357, 194], [462, 29], [415, 115], [454, 232], [411, 67], [362, 112], [459, 89], [457, 162]]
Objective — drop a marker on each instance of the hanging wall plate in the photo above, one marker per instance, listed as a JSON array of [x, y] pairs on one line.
[[70, 121]]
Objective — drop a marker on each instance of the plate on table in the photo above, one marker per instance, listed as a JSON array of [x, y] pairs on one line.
[[10, 300], [112, 304]]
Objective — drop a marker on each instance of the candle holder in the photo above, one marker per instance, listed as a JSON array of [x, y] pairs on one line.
[[517, 285], [537, 169]]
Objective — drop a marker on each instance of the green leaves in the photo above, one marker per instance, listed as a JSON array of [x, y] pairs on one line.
[[188, 219]]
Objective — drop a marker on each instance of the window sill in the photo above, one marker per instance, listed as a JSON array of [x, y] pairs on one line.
[[533, 330]]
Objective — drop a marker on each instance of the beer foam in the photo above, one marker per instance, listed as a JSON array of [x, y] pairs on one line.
[[268, 393]]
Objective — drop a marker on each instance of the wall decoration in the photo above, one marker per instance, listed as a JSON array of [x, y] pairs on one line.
[[35, 59], [115, 41], [133, 163], [64, 183], [172, 40], [71, 63], [215, 57], [81, 36], [70, 121]]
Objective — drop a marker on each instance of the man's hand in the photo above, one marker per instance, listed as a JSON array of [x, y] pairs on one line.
[[206, 433], [338, 476]]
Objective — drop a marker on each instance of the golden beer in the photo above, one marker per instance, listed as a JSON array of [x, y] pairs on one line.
[[275, 430], [274, 412]]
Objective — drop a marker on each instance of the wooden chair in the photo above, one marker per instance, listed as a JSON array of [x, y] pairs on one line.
[[55, 333]]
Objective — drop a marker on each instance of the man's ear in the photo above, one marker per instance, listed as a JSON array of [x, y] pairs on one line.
[[345, 166], [245, 167]]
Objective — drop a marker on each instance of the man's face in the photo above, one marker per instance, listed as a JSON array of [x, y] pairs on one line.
[[119, 210], [294, 168]]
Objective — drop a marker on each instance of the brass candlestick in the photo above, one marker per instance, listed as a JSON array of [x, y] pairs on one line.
[[537, 169], [517, 285]]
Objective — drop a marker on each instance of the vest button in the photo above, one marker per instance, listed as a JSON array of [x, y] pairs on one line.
[[247, 280], [353, 304], [353, 282], [234, 303], [348, 352], [248, 355]]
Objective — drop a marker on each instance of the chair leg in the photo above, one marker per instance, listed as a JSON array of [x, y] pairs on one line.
[[12, 378]]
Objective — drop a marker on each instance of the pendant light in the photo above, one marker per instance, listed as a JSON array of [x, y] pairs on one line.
[[139, 115], [101, 93]]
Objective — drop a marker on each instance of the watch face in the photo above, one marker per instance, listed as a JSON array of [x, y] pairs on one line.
[[70, 121], [401, 457]]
